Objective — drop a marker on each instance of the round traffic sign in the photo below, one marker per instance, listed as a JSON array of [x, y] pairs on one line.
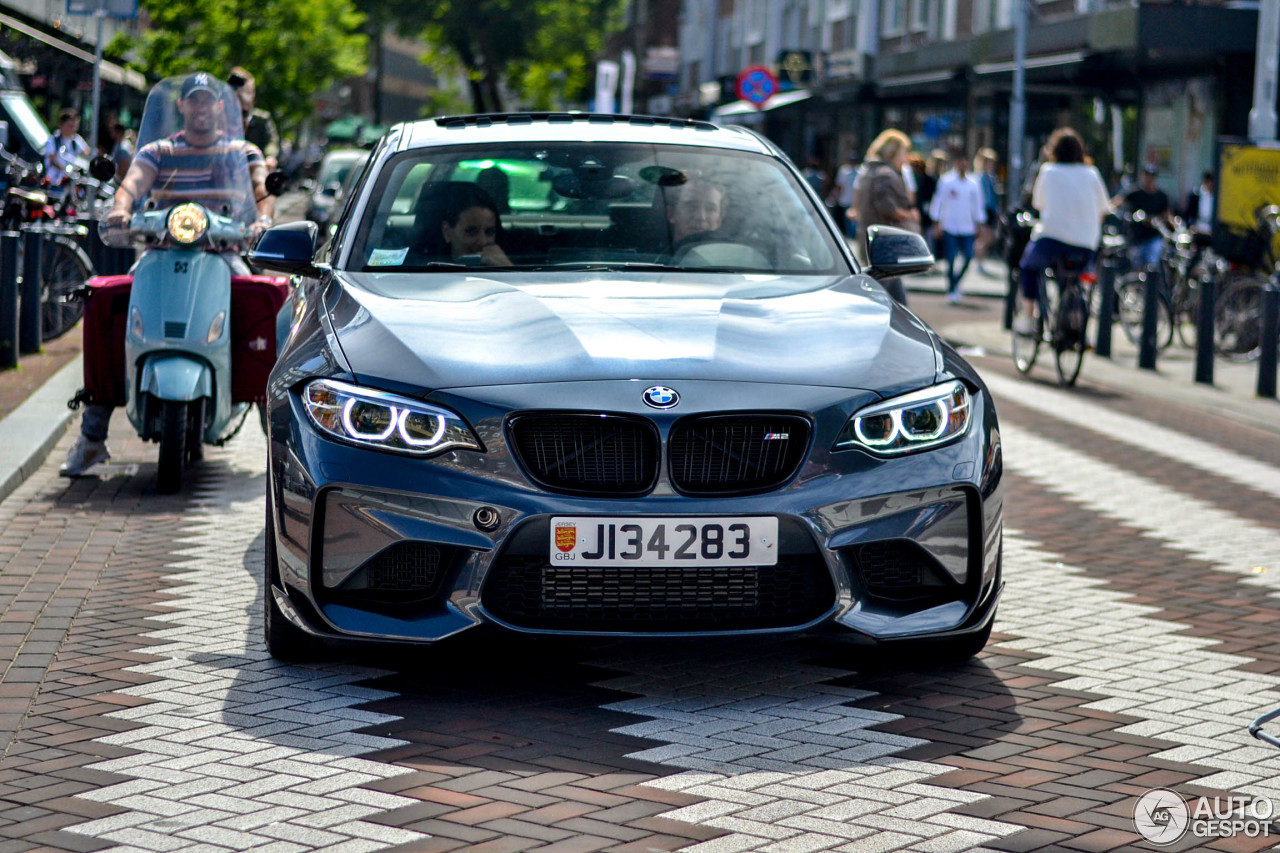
[[757, 84]]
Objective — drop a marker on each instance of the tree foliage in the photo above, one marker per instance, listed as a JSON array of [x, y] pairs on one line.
[[293, 48], [542, 50]]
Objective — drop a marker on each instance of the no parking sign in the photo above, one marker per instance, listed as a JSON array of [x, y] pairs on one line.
[[757, 84]]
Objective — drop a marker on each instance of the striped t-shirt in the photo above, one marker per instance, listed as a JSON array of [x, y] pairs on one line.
[[215, 175]]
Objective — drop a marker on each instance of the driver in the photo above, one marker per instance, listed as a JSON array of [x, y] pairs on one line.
[[694, 207], [192, 165]]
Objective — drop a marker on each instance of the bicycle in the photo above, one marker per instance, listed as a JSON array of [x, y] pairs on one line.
[[1064, 305], [1237, 311], [64, 265]]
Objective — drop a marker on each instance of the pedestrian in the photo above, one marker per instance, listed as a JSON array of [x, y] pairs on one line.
[[840, 199], [984, 169], [880, 197], [1145, 243], [259, 126], [813, 175], [65, 148], [959, 212], [122, 147], [1198, 211], [926, 186]]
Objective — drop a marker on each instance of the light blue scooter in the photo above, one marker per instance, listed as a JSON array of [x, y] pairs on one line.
[[178, 335]]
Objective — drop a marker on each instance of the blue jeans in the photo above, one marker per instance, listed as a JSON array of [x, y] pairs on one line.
[[1043, 253], [953, 244], [1147, 253]]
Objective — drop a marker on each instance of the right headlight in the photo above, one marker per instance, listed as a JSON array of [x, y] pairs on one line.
[[916, 421], [384, 421]]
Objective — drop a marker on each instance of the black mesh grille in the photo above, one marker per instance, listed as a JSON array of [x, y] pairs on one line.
[[175, 330], [608, 455], [404, 573], [524, 589], [899, 570], [736, 454]]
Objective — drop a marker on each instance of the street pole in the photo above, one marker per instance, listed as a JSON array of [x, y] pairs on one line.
[[96, 121], [1262, 118], [1018, 104]]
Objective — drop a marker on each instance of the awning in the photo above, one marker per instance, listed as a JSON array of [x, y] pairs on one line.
[[110, 72], [1047, 61], [735, 108], [920, 79], [344, 129]]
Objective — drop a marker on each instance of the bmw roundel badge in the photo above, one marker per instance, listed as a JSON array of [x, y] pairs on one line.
[[661, 397]]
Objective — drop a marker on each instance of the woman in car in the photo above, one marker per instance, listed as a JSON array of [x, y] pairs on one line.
[[469, 226]]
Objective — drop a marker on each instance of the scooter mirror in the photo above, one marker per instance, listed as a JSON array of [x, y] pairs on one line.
[[102, 168], [276, 182]]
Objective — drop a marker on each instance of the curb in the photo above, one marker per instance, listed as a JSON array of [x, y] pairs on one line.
[[31, 430]]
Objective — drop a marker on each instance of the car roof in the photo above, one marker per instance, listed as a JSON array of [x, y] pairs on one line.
[[574, 127]]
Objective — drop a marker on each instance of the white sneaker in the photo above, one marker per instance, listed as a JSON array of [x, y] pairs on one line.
[[83, 456], [1024, 325]]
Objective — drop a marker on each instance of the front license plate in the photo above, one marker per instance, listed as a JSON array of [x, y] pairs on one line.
[[734, 541]]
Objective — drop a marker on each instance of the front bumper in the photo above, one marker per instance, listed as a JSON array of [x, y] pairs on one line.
[[374, 546]]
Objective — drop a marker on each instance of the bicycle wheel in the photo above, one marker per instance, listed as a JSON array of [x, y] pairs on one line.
[[1131, 298], [64, 267], [1237, 318], [1025, 347], [1070, 334]]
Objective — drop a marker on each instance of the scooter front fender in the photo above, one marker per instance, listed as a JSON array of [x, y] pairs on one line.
[[176, 377]]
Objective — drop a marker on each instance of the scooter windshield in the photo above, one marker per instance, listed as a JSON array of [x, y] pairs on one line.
[[191, 148]]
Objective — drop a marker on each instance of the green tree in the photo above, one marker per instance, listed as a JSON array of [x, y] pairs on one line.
[[541, 49], [293, 47]]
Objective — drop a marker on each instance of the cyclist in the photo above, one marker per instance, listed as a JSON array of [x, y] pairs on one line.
[[1146, 243], [1072, 201]]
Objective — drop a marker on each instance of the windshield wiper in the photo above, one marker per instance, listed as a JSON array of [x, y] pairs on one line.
[[603, 266]]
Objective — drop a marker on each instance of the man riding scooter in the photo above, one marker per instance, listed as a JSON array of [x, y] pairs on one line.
[[189, 166]]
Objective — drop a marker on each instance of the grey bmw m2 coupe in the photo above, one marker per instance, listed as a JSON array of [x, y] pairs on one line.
[[615, 376]]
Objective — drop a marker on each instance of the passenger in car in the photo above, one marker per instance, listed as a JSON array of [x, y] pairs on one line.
[[469, 226], [694, 208]]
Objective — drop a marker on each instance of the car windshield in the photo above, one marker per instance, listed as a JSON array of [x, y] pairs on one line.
[[562, 206]]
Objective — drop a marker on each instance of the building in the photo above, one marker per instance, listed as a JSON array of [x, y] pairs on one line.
[[1144, 82]]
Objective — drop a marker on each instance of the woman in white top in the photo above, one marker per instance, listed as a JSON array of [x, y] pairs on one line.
[[1072, 201]]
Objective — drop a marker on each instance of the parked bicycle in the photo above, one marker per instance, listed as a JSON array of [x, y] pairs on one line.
[[64, 265]]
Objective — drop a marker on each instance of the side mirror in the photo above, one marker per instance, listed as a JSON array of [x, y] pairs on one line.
[[288, 248], [893, 252], [102, 167], [277, 182]]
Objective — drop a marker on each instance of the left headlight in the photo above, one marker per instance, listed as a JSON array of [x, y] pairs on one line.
[[384, 421], [187, 223], [916, 421]]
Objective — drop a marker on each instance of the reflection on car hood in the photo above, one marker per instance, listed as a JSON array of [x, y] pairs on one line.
[[452, 331]]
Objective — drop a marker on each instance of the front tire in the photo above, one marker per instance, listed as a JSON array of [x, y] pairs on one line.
[[284, 641], [64, 268], [173, 447]]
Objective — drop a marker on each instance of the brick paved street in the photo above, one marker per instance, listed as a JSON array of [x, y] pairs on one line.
[[1134, 644]]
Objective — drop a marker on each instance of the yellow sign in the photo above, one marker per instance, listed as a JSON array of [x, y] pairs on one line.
[[1248, 177]]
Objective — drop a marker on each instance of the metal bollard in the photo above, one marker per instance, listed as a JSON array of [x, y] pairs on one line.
[[8, 299], [1147, 345], [1270, 342], [31, 308], [1107, 297], [1204, 331]]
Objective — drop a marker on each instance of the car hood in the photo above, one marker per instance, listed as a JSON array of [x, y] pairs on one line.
[[471, 330]]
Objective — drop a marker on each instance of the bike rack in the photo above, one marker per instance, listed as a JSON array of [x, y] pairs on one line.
[[1255, 728]]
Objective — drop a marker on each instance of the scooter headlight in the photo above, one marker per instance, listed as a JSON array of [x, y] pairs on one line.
[[385, 421], [187, 223]]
